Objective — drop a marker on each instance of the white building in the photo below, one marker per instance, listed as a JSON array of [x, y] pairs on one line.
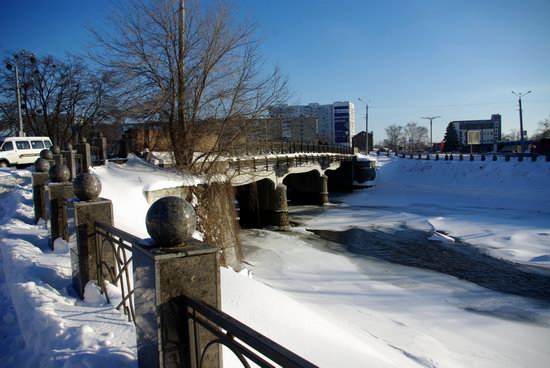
[[335, 122], [489, 131]]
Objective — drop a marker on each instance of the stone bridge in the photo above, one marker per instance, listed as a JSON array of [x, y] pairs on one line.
[[267, 178]]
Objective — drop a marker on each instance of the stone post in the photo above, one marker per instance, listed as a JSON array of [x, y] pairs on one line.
[[81, 215], [59, 190], [40, 179], [172, 267], [124, 147], [101, 143], [83, 149], [47, 155], [70, 160], [57, 157]]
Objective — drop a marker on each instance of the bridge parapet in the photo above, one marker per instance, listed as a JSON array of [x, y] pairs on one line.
[[247, 170]]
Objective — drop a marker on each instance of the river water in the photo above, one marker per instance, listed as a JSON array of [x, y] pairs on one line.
[[410, 247]]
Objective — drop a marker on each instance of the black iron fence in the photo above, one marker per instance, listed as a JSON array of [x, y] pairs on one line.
[[247, 344], [114, 264], [471, 157]]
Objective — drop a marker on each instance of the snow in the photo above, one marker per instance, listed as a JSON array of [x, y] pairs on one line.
[[331, 307]]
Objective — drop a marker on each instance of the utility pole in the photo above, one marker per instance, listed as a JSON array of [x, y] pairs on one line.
[[21, 133], [182, 124], [366, 122], [431, 118], [520, 95]]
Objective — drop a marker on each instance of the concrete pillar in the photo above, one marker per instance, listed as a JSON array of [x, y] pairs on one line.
[[323, 190], [56, 195], [81, 216], [171, 267], [69, 156], [124, 147], [279, 207], [39, 185], [59, 190], [83, 149], [101, 143]]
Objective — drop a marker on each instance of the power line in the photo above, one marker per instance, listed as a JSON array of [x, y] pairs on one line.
[[450, 105]]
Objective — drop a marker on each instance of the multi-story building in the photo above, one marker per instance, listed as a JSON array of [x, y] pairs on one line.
[[344, 122], [360, 141], [335, 122], [298, 129], [489, 131]]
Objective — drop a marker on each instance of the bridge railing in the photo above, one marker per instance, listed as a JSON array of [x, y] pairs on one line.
[[282, 148]]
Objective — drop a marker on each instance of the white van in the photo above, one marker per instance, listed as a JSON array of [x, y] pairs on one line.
[[21, 150]]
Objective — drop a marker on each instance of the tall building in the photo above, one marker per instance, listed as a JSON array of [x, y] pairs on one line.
[[300, 129], [344, 122], [335, 122], [490, 131]]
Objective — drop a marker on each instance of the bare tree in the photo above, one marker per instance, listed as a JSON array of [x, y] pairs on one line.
[[194, 69], [416, 136], [513, 135], [394, 136], [56, 95], [544, 129]]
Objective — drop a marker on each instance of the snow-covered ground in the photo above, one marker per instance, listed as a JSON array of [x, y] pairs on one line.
[[334, 308]]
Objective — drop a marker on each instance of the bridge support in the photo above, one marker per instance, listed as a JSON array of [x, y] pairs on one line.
[[262, 204], [307, 188], [341, 179], [279, 211]]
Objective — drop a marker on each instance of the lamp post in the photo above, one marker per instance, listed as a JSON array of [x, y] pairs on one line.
[[431, 118], [13, 66], [366, 122], [520, 95]]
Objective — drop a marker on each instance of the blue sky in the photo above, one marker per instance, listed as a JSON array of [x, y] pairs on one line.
[[455, 58]]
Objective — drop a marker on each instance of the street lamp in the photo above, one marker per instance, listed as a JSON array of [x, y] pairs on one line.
[[520, 95], [13, 66], [430, 119], [366, 121]]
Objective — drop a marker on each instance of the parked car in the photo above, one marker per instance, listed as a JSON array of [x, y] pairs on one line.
[[15, 151]]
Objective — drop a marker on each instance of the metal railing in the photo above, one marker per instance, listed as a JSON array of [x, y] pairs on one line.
[[281, 148], [114, 264], [244, 342], [296, 160]]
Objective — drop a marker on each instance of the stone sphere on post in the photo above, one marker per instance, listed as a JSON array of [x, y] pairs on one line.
[[46, 154], [59, 174], [55, 150], [41, 165], [87, 186], [170, 221], [68, 147]]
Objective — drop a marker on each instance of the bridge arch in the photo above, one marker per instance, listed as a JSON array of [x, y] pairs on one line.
[[309, 187], [262, 203]]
